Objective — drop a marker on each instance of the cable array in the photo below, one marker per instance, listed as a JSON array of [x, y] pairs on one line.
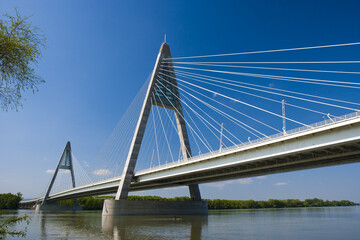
[[110, 160], [231, 102]]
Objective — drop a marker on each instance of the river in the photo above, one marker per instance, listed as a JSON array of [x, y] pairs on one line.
[[297, 223]]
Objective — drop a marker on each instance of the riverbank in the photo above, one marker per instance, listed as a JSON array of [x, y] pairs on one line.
[[96, 203]]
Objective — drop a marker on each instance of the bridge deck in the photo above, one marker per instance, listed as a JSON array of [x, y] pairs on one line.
[[330, 142]]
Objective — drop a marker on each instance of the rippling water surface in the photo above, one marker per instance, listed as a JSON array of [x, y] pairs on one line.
[[301, 223]]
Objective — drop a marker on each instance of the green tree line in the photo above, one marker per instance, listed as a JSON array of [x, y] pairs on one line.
[[10, 201], [96, 203], [274, 203]]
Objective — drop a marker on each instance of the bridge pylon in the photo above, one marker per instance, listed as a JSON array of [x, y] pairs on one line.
[[159, 98], [158, 94], [66, 163]]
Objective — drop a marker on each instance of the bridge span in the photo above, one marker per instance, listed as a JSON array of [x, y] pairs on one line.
[[327, 143], [333, 141]]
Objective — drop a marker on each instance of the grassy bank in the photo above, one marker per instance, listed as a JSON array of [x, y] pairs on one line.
[[96, 203]]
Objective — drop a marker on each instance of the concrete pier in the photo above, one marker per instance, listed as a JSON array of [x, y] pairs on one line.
[[125, 207]]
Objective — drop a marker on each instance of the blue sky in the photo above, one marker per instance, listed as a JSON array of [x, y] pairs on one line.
[[100, 53]]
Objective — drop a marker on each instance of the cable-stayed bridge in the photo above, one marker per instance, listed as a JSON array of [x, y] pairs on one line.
[[195, 122]]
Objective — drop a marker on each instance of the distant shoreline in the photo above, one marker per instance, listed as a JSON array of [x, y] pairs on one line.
[[96, 203], [11, 201]]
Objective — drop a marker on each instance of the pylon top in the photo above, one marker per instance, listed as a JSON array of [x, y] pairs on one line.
[[165, 49], [166, 84]]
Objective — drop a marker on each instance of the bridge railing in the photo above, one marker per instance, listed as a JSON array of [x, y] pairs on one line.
[[294, 131]]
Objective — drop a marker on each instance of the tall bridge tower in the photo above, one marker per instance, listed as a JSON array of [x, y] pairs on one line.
[[65, 163], [165, 95], [163, 98]]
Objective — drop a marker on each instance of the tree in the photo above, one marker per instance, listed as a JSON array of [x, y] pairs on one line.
[[20, 50], [11, 201]]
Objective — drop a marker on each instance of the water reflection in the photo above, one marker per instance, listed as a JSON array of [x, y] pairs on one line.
[[158, 227], [85, 224], [278, 224], [67, 224]]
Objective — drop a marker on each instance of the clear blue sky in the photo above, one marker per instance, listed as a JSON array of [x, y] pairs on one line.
[[100, 53]]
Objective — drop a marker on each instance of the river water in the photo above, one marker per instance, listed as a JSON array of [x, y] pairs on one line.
[[298, 223]]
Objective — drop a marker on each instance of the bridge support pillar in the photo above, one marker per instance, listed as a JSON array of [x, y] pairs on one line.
[[174, 208], [195, 192]]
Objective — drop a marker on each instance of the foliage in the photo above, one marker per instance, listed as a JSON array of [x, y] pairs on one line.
[[156, 198], [69, 202], [20, 49], [10, 201], [91, 203], [87, 203], [6, 226], [96, 203], [274, 203]]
